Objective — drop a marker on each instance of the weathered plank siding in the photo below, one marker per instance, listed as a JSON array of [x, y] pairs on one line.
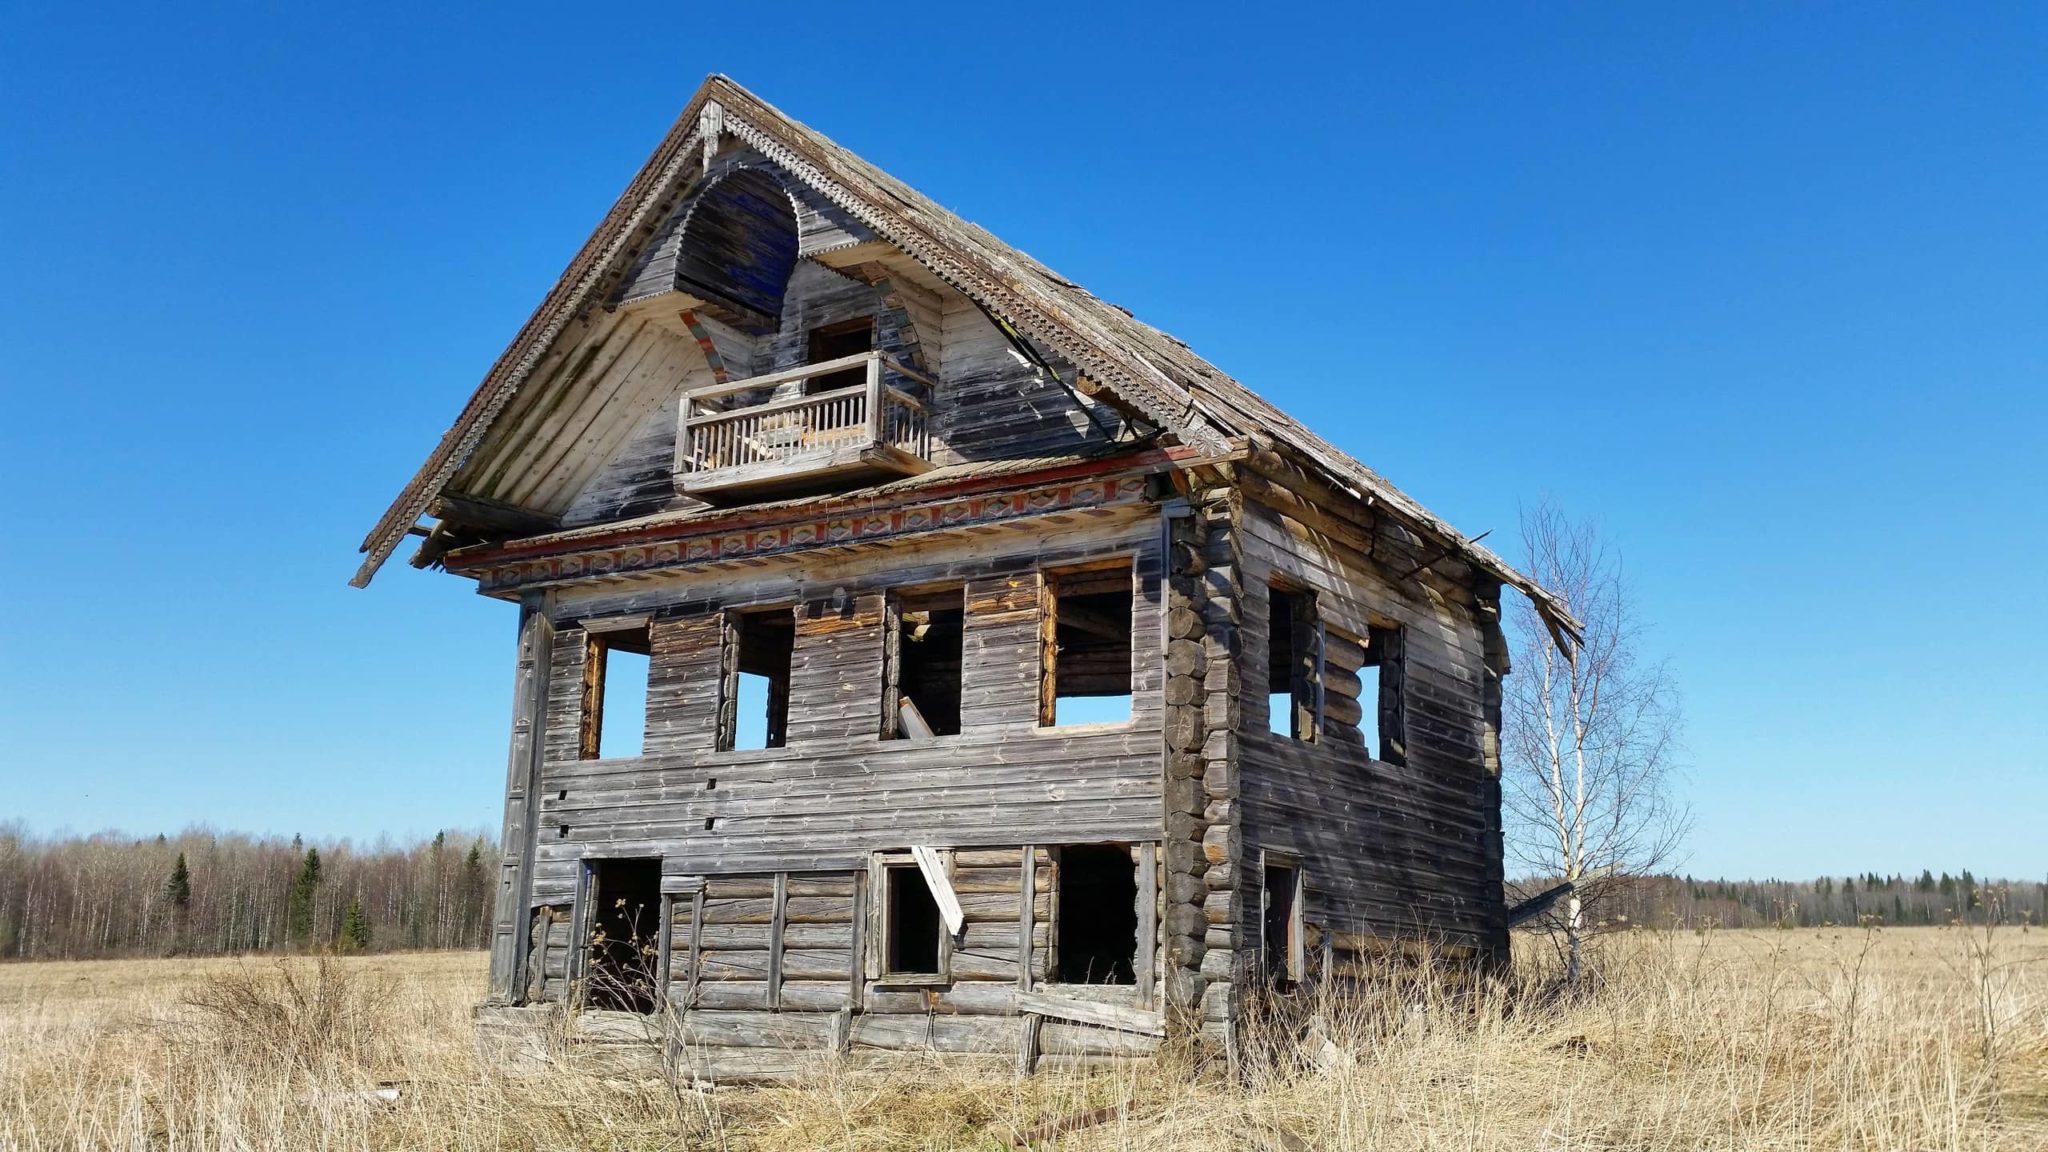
[[1386, 850]]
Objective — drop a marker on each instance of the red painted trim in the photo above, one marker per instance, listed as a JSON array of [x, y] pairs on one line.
[[463, 560]]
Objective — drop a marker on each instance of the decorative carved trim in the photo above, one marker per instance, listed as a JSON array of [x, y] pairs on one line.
[[714, 545]]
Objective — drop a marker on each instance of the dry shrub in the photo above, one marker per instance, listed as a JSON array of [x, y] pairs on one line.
[[1894, 1041], [312, 1017]]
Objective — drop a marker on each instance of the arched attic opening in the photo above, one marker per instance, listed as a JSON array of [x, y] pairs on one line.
[[738, 246]]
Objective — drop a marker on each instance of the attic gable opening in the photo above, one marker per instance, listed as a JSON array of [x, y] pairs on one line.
[[739, 245]]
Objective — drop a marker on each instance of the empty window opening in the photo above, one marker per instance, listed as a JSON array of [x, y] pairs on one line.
[[1096, 918], [1362, 701], [1381, 677], [1086, 637], [1369, 690], [1293, 664], [910, 933], [615, 669], [921, 689], [757, 685], [625, 927], [835, 342], [1281, 943]]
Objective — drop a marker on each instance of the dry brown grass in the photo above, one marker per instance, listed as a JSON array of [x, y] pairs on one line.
[[1839, 1039]]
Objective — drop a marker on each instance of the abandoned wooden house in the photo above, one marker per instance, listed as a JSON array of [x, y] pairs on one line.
[[916, 651]]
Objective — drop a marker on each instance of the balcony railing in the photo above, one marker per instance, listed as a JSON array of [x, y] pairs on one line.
[[790, 440]]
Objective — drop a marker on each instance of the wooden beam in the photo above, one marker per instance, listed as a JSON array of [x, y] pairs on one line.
[[778, 923], [1028, 886], [1148, 918], [935, 878], [1027, 1042], [1115, 1016], [912, 721], [491, 516]]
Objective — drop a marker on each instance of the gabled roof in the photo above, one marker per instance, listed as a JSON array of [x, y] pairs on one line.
[[1139, 367]]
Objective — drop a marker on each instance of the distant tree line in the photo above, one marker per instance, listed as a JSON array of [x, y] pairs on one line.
[[1901, 900], [206, 893]]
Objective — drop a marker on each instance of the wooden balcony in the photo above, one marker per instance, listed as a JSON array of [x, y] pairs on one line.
[[787, 439]]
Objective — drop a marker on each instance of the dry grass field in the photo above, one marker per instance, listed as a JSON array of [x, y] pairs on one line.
[[1832, 1038]]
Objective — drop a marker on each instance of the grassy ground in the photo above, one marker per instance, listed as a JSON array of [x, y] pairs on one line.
[[1832, 1038]]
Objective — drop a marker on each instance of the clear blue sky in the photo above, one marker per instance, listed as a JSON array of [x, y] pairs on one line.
[[1766, 290]]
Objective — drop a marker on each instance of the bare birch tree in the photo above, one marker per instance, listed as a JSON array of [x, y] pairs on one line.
[[1591, 738]]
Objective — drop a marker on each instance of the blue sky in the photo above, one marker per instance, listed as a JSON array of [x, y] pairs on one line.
[[1764, 289]]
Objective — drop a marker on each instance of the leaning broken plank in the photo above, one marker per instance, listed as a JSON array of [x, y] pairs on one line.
[[934, 870], [1101, 1015]]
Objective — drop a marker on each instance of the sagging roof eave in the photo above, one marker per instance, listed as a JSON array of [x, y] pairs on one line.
[[1341, 471], [577, 288]]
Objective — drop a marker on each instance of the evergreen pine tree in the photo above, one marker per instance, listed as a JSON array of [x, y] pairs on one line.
[[355, 928], [300, 913], [474, 891], [179, 889]]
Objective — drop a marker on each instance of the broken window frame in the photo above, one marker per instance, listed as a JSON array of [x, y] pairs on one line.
[[880, 934], [1386, 649], [732, 640], [1049, 592], [897, 604], [1304, 660], [627, 992], [601, 637], [1290, 969], [1053, 951]]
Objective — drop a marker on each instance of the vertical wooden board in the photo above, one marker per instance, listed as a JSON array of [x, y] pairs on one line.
[[775, 941], [511, 924], [892, 667], [696, 945], [663, 957], [1048, 649], [1027, 887], [857, 963], [590, 709], [1148, 921]]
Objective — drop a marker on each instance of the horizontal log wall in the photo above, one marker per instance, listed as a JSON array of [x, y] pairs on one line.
[[784, 837], [838, 790], [781, 962], [1386, 850]]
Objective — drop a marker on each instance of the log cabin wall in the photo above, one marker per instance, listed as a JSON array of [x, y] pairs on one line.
[[1386, 850], [1201, 901], [766, 855]]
